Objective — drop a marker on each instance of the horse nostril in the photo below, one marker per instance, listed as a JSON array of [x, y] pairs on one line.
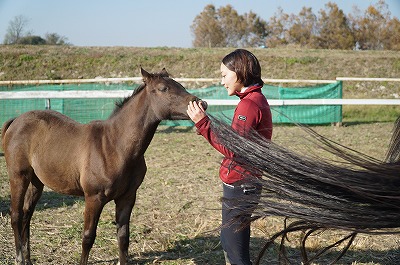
[[203, 103]]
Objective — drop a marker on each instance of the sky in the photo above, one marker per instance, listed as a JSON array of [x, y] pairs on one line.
[[150, 23]]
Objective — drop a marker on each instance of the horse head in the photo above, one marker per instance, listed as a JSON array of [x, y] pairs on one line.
[[169, 99]]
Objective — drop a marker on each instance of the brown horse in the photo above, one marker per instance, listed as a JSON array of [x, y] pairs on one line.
[[101, 160]]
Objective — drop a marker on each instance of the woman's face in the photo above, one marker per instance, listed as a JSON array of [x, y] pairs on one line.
[[229, 80]]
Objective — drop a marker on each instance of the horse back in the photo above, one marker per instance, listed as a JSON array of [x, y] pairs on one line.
[[37, 126]]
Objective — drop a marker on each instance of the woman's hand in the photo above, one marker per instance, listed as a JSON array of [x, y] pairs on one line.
[[195, 111]]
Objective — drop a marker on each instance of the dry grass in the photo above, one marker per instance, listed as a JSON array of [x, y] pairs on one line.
[[63, 62], [177, 214]]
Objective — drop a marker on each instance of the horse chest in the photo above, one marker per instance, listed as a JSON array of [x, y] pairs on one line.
[[112, 180]]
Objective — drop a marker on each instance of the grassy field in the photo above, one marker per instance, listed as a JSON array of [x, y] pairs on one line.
[[176, 218], [70, 62]]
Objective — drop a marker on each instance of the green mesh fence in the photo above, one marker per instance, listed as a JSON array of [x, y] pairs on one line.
[[85, 110], [82, 110], [311, 114], [306, 114]]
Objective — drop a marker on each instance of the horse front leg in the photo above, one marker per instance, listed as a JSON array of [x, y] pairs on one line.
[[93, 208], [123, 210]]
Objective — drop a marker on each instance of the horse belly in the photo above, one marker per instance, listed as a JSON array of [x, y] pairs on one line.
[[61, 179]]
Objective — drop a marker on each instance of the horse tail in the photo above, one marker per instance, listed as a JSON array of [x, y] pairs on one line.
[[393, 153], [314, 191], [4, 129]]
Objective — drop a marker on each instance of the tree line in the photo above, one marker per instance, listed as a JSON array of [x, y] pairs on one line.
[[17, 34], [330, 28], [374, 29]]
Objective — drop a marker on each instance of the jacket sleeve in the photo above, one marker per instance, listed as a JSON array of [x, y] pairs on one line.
[[246, 117], [203, 128]]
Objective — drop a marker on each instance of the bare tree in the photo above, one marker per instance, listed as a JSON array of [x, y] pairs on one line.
[[207, 30], [303, 28], [278, 27], [372, 29], [233, 25], [392, 42], [224, 27], [256, 31], [16, 30], [334, 29]]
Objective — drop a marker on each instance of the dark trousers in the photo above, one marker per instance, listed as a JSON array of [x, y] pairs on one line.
[[235, 238]]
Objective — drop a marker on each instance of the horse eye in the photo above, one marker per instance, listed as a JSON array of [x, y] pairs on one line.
[[163, 89]]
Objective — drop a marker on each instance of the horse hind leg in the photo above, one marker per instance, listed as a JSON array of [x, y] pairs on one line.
[[24, 196], [32, 196]]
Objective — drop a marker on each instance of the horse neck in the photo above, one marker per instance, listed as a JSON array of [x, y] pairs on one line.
[[135, 125]]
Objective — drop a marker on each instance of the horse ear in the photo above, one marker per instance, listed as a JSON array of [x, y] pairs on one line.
[[164, 73], [146, 75]]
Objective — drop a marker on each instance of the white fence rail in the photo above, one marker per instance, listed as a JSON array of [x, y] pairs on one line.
[[125, 93], [225, 102], [200, 80]]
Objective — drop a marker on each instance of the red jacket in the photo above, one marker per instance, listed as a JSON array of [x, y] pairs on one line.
[[252, 112]]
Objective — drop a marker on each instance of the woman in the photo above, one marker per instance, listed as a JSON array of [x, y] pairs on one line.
[[241, 76]]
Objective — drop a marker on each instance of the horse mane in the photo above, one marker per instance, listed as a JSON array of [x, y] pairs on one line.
[[122, 102], [358, 195]]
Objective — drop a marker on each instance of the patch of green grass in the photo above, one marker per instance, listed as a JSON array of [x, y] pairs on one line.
[[73, 231], [26, 58], [396, 65], [370, 113]]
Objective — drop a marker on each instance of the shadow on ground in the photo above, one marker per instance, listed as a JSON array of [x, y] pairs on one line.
[[48, 200], [207, 250]]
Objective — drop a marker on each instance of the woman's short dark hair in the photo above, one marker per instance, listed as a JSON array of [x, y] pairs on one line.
[[245, 65]]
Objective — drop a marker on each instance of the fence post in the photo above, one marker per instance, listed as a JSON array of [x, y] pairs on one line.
[[48, 103]]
